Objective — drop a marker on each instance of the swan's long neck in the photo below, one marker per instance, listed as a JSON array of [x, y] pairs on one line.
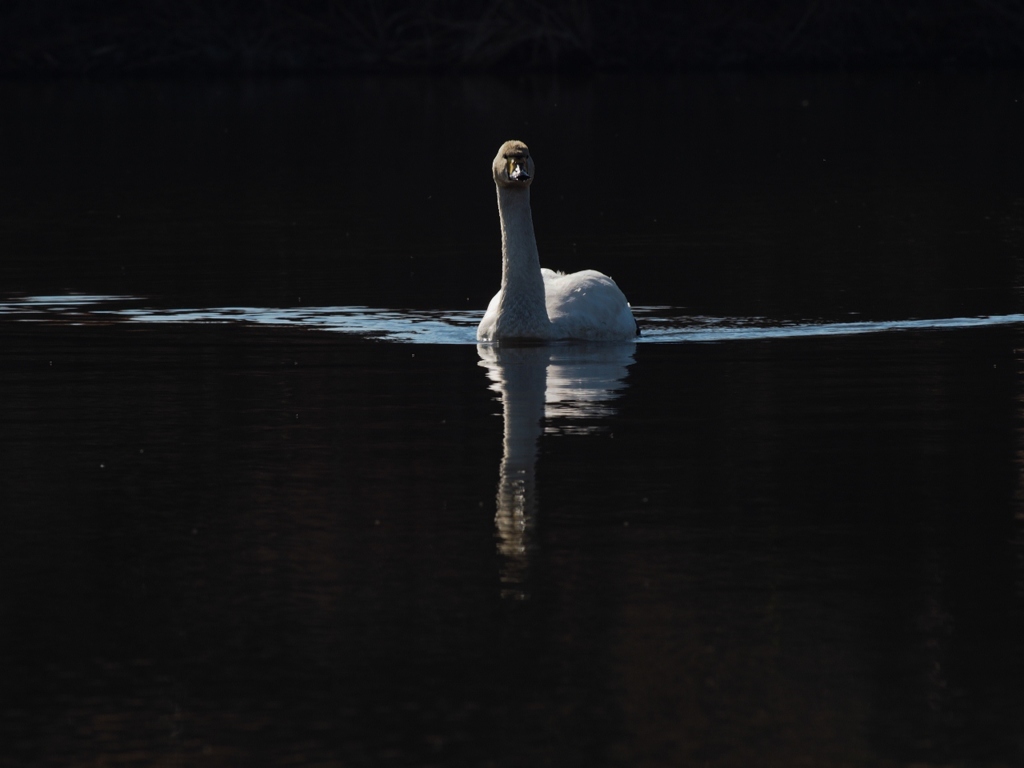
[[522, 311]]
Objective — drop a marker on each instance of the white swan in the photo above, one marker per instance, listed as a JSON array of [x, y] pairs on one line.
[[537, 304]]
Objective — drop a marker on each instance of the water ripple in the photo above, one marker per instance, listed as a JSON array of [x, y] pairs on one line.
[[717, 329], [659, 324]]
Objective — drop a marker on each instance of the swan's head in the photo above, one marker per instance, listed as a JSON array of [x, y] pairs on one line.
[[513, 166]]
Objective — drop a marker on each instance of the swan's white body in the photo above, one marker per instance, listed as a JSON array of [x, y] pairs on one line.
[[538, 304]]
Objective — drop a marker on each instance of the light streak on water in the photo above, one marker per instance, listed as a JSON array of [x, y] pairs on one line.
[[664, 325]]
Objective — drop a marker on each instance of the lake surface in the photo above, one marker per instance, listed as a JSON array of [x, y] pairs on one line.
[[266, 502]]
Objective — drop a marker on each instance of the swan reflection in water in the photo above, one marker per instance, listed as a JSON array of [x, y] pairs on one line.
[[543, 389]]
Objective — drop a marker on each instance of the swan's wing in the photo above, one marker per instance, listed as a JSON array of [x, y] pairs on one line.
[[587, 305], [485, 331]]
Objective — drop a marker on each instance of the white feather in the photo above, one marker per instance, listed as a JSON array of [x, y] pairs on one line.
[[539, 304]]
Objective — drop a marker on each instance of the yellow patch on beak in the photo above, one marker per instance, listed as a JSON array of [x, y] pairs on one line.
[[516, 169]]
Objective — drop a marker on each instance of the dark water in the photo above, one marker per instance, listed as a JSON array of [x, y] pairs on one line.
[[265, 502]]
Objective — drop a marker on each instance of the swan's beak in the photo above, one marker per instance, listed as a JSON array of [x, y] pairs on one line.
[[517, 170]]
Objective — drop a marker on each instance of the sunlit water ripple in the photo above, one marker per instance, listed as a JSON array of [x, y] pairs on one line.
[[659, 324]]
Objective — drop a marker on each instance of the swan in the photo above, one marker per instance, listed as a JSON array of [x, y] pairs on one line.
[[537, 304]]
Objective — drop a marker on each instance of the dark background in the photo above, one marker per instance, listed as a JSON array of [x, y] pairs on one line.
[[307, 36], [237, 545]]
